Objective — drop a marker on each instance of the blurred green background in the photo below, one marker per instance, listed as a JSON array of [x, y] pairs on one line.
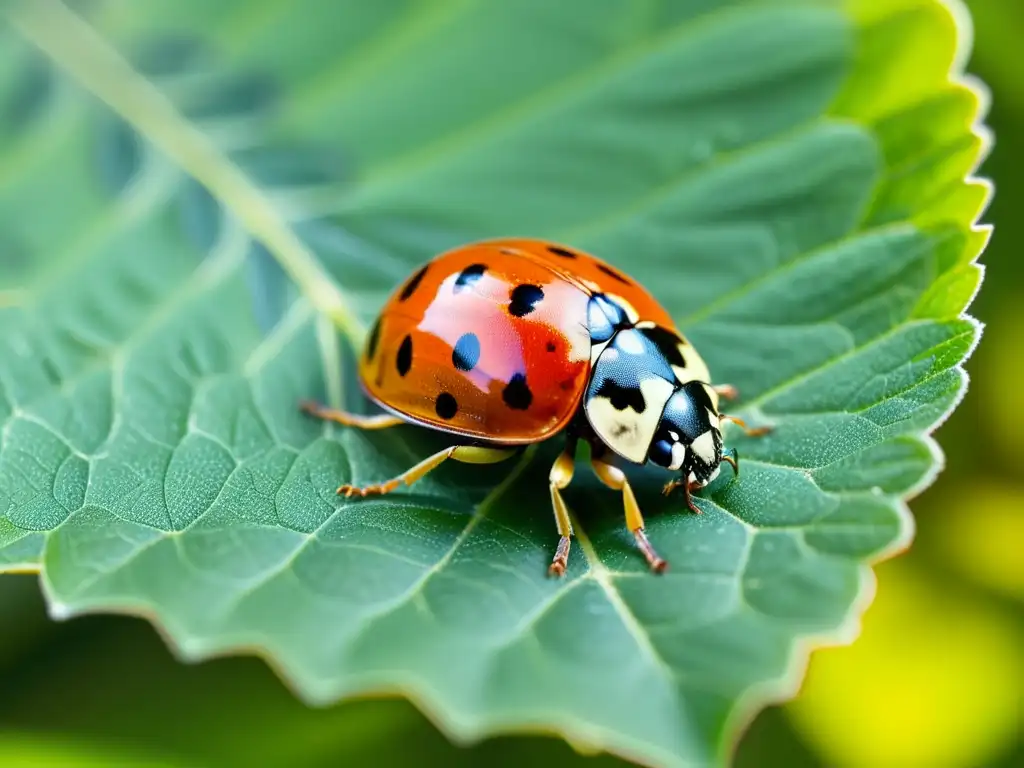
[[934, 680]]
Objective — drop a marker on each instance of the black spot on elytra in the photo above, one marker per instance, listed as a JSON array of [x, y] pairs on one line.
[[469, 276], [446, 406], [524, 299], [550, 346], [667, 343], [565, 254], [517, 394], [466, 352], [413, 284], [404, 359], [613, 274], [622, 397], [373, 340]]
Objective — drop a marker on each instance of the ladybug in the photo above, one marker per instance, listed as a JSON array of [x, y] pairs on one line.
[[508, 342]]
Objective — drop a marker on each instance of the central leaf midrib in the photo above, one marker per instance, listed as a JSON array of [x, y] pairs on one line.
[[75, 46]]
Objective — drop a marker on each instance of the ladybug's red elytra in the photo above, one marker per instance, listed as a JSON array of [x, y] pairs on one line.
[[509, 342]]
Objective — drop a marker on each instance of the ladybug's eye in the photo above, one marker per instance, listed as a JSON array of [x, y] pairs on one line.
[[661, 453]]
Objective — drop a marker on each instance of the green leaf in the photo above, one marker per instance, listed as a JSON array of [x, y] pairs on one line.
[[194, 195]]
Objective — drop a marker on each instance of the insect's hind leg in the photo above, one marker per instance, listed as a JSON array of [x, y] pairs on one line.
[[468, 454], [377, 421]]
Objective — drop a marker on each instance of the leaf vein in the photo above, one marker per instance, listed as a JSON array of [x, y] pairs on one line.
[[630, 623], [76, 46]]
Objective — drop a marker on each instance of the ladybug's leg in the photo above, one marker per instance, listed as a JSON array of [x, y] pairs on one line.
[[466, 453], [688, 488], [726, 391], [560, 477], [615, 478], [751, 432], [378, 421]]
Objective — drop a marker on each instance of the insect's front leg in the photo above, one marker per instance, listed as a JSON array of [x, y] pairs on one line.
[[688, 488]]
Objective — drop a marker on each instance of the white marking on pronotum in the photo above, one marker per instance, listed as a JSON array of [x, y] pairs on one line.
[[684, 375], [713, 419], [630, 343], [704, 447], [678, 456], [631, 314]]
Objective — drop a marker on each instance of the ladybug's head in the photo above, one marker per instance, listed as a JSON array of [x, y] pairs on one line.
[[688, 437]]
